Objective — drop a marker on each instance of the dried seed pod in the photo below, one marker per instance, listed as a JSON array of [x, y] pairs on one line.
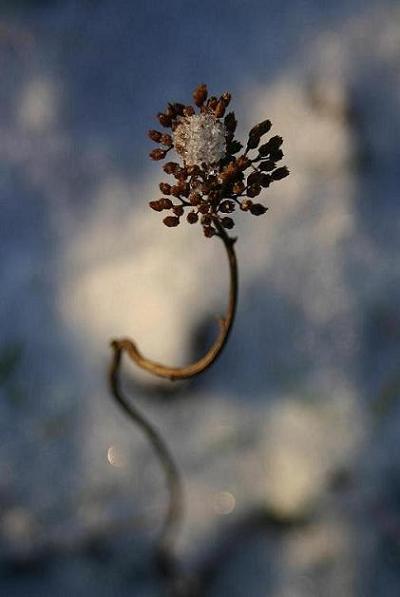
[[230, 122], [178, 108], [178, 210], [156, 205], [209, 231], [171, 221], [204, 208], [253, 142], [206, 220], [276, 155], [157, 154], [165, 188], [233, 147], [170, 167], [280, 173], [155, 135], [195, 198], [227, 207], [166, 203], [192, 217], [272, 145], [254, 190], [212, 103], [265, 180], [219, 109], [227, 223], [257, 209], [246, 204], [200, 95], [166, 140], [176, 190], [266, 166], [243, 162], [261, 129], [238, 187], [164, 119], [253, 178], [226, 98], [188, 111]]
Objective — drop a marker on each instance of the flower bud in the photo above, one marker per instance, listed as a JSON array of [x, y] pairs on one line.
[[204, 208], [254, 140]]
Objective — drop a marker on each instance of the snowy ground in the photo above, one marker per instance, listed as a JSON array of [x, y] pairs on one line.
[[300, 416]]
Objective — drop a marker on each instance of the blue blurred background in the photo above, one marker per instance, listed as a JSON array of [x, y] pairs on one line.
[[300, 417]]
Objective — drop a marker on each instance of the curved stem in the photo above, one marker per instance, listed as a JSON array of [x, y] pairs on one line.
[[174, 513], [173, 373]]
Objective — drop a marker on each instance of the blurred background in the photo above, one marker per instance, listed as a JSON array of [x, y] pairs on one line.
[[300, 417]]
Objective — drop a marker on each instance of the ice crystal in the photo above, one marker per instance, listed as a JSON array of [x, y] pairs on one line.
[[199, 139]]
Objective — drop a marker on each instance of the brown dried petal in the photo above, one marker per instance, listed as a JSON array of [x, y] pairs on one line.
[[261, 128], [195, 198]]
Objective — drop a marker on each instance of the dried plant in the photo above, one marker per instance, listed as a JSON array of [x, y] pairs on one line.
[[214, 176]]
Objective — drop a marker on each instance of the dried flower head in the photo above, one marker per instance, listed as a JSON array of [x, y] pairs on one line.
[[210, 179]]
